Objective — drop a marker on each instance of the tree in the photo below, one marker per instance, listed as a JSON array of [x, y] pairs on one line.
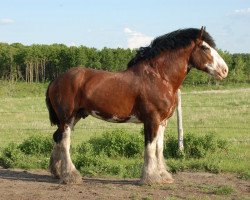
[[93, 60], [45, 62], [107, 59], [7, 64]]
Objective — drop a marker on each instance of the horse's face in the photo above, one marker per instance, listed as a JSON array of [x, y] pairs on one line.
[[207, 59]]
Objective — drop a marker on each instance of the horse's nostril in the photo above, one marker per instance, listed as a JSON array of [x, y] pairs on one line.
[[225, 70]]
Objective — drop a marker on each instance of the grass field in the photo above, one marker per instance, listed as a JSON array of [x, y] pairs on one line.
[[225, 113]]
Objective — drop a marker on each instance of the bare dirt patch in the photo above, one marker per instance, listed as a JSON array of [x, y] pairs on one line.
[[19, 184]]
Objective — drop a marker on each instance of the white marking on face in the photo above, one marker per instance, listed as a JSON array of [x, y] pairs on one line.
[[218, 67]]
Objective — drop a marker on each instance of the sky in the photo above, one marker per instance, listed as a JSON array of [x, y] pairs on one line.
[[123, 23]]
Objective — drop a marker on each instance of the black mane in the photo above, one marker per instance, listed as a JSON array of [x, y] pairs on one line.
[[174, 40]]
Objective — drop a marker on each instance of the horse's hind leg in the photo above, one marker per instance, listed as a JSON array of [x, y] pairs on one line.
[[69, 174], [55, 158], [61, 165]]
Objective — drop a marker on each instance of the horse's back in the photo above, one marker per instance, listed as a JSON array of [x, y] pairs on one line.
[[71, 80], [95, 91]]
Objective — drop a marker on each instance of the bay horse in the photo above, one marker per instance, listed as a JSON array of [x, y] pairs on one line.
[[146, 92]]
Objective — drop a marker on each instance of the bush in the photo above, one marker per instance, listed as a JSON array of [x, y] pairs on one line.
[[10, 155], [194, 146], [118, 153], [31, 153], [89, 163], [118, 143], [36, 145], [109, 153]]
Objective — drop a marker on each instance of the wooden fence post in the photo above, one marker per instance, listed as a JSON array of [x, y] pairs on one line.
[[179, 122]]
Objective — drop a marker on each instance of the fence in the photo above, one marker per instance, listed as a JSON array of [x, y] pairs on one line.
[[16, 124]]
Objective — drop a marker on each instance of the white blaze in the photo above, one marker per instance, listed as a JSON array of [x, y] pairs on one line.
[[218, 67]]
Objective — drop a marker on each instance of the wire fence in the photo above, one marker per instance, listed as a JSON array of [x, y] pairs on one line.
[[240, 126], [38, 120]]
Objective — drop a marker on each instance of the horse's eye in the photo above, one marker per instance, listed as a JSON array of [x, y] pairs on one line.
[[204, 48]]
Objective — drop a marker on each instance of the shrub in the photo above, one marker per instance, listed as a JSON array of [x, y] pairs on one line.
[[31, 153], [118, 153], [10, 155], [109, 153], [36, 145], [118, 143], [96, 165], [194, 146]]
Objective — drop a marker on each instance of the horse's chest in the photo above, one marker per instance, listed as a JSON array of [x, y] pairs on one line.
[[165, 104], [168, 106]]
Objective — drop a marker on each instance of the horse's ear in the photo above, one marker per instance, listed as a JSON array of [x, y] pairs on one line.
[[203, 29], [199, 39]]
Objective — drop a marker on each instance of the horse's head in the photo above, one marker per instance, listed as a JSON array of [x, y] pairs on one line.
[[204, 57]]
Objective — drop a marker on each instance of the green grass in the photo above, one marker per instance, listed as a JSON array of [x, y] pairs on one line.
[[22, 89], [217, 190], [225, 114], [23, 114]]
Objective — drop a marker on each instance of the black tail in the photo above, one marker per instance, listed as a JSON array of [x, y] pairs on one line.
[[52, 114]]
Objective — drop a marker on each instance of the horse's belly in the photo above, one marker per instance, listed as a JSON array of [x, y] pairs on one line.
[[114, 118]]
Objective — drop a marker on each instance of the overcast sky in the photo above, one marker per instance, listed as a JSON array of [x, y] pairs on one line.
[[123, 23]]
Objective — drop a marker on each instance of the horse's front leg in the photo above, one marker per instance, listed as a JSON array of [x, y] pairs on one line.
[[166, 177], [154, 168], [69, 174]]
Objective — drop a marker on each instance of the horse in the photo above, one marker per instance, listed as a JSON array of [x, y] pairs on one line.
[[146, 92]]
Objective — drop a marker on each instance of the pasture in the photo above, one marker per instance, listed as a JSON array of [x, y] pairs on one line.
[[218, 110], [224, 113]]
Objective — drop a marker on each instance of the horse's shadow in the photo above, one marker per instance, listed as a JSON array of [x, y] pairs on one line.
[[26, 176], [111, 181]]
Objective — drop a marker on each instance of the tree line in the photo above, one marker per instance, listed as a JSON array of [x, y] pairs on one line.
[[41, 63]]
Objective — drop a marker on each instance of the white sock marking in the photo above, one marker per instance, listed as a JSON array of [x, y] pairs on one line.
[[67, 165]]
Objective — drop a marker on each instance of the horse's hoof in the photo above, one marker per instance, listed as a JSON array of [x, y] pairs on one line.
[[168, 181], [55, 173], [73, 177], [166, 177], [156, 179], [150, 179]]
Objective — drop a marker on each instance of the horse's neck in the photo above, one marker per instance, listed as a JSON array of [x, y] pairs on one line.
[[173, 66]]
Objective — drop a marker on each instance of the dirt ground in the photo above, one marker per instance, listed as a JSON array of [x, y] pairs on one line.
[[20, 185]]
